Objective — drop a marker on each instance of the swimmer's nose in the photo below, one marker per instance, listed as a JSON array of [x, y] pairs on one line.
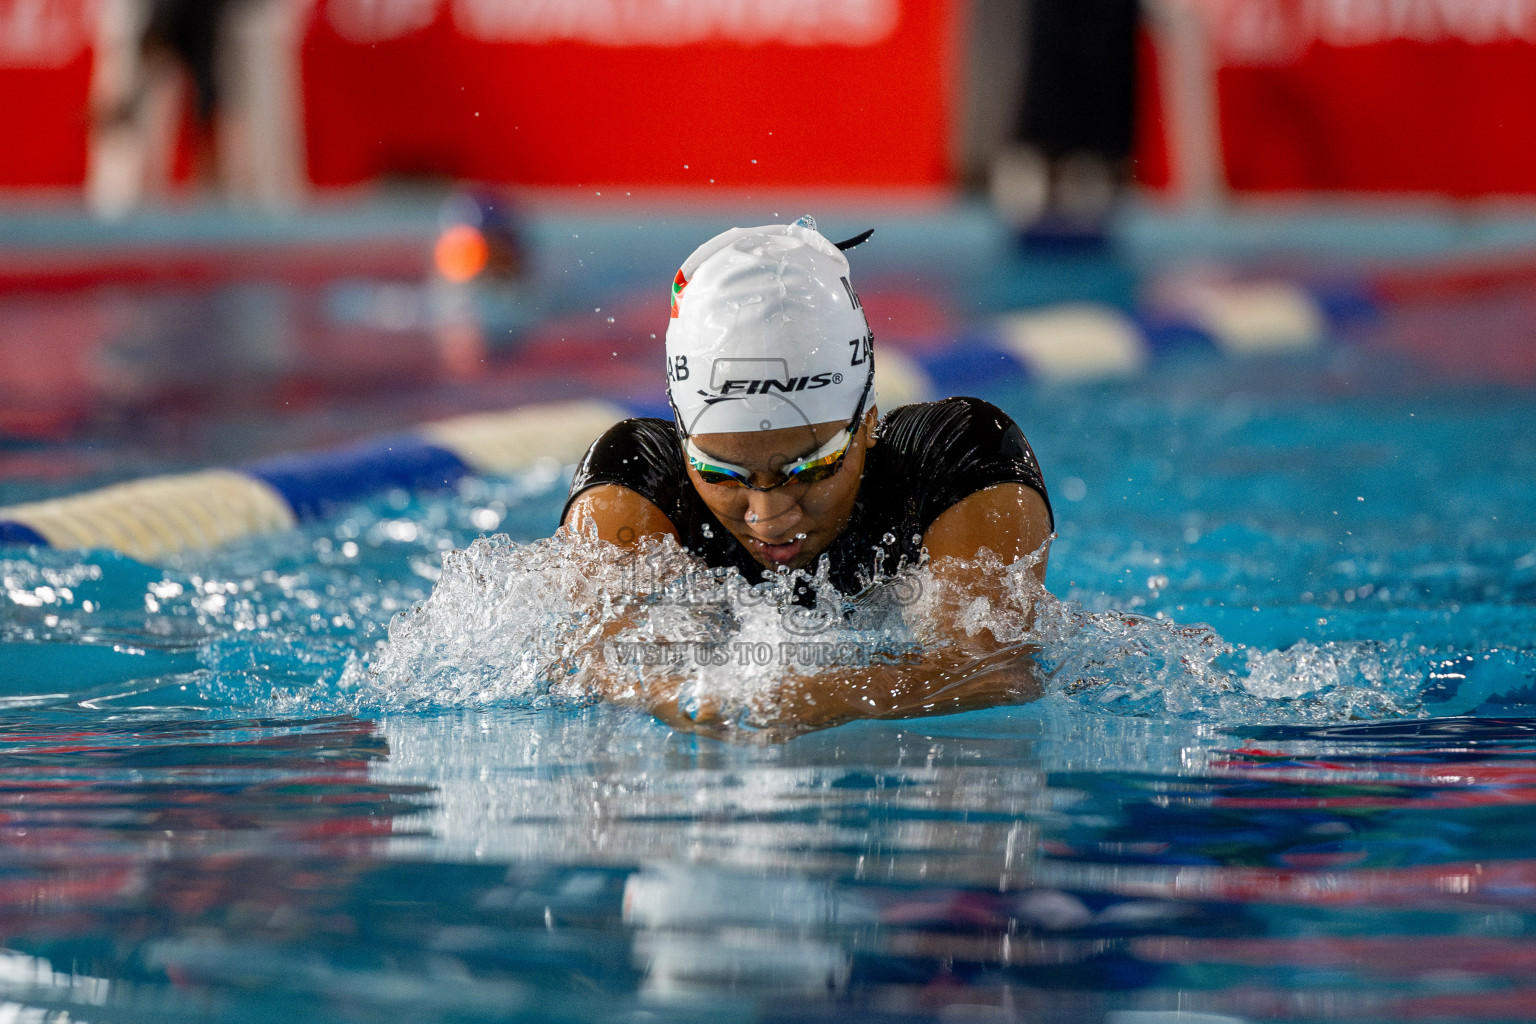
[[769, 515]]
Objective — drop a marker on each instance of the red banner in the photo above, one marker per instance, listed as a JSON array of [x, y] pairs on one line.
[[653, 92], [45, 79], [1369, 95]]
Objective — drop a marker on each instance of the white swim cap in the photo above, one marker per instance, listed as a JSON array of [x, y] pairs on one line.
[[766, 332]]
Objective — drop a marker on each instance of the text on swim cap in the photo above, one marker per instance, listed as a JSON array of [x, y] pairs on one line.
[[853, 296], [764, 385], [862, 348]]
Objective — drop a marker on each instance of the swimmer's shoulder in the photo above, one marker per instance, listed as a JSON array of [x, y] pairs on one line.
[[957, 446], [647, 435], [641, 454], [947, 422]]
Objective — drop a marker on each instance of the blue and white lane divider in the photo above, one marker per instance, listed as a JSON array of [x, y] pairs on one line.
[[1091, 341], [151, 518]]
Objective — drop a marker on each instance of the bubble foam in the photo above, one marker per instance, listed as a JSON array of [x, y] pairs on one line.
[[573, 619]]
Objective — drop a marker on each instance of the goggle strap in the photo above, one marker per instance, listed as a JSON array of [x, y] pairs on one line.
[[856, 240]]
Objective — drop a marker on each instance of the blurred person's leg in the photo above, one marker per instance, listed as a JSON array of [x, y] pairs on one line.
[[994, 77], [182, 39], [141, 92], [1074, 132], [162, 111], [260, 145], [117, 163], [1187, 80]]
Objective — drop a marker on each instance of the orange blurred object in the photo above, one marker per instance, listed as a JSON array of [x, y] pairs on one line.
[[461, 253]]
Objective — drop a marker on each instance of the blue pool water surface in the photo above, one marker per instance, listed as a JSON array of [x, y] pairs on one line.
[[1318, 807]]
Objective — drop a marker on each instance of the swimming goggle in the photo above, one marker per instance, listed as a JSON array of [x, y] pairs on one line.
[[821, 464]]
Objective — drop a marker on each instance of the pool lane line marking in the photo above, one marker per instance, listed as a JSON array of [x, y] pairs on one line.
[[157, 516]]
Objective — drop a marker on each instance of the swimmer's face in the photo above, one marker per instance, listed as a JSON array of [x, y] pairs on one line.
[[790, 525]]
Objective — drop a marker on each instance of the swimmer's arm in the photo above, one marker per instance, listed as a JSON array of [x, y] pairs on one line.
[[619, 515], [1011, 520], [970, 672], [626, 518]]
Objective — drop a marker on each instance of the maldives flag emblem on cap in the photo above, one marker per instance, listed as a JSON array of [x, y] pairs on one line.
[[678, 284]]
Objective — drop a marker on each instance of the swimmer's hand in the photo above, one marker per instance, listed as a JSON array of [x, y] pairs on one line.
[[970, 628], [938, 683]]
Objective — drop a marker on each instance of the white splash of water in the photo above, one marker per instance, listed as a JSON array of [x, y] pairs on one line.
[[1129, 664], [573, 619]]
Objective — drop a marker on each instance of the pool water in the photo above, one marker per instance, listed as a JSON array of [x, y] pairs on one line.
[[1283, 771]]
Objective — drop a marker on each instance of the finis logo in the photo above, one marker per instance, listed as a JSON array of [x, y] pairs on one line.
[[732, 379], [768, 385]]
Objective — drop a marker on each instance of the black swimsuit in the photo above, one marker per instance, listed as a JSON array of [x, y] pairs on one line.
[[929, 457]]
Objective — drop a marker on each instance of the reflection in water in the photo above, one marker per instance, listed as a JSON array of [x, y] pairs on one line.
[[700, 931], [125, 840], [165, 856], [558, 865], [1028, 866], [870, 802]]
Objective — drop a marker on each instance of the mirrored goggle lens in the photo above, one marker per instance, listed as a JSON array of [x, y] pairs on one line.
[[722, 477], [820, 465], [715, 473]]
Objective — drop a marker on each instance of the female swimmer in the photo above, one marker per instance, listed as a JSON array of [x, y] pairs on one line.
[[776, 458]]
